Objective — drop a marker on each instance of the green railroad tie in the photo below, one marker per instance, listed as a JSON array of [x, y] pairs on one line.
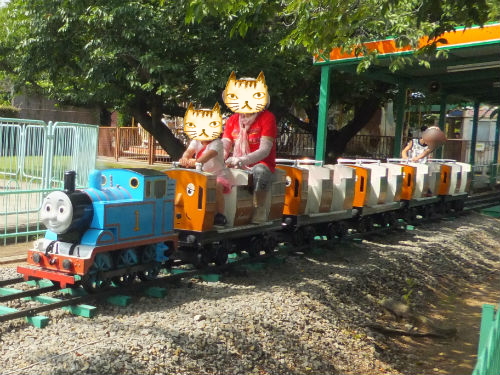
[[318, 251], [76, 292], [119, 300], [9, 291], [176, 271], [85, 311], [410, 227], [38, 321], [40, 283], [275, 260], [155, 292], [254, 266], [210, 277]]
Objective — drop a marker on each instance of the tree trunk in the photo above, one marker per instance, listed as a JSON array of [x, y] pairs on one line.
[[336, 140], [160, 132]]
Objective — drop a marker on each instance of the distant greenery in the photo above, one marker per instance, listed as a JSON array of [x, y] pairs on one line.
[[107, 164], [9, 111], [32, 164]]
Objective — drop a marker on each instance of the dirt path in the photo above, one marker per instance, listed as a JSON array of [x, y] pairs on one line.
[[458, 355]]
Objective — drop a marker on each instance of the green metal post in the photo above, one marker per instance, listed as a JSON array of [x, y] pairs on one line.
[[400, 117], [442, 121], [475, 122], [324, 101], [494, 167], [487, 318]]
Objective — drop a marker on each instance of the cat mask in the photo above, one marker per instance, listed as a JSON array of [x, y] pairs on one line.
[[246, 95], [203, 124]]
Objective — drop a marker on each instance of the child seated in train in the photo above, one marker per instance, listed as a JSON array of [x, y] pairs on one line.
[[419, 149], [204, 127]]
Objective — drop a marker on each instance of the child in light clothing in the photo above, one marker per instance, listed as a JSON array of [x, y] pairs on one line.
[[211, 155]]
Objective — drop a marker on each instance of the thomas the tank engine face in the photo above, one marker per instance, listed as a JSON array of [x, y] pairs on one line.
[[57, 212]]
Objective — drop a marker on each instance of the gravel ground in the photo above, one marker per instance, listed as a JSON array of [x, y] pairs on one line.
[[306, 316]]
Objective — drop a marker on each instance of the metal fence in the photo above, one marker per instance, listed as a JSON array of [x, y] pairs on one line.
[[488, 361], [33, 158]]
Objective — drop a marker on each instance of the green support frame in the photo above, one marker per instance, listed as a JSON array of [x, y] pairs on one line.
[[475, 122], [324, 102], [400, 118]]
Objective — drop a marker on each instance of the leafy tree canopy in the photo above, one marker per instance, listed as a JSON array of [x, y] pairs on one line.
[[149, 57], [143, 58]]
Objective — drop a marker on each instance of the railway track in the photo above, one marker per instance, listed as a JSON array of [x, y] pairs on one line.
[[482, 200], [77, 301], [52, 297]]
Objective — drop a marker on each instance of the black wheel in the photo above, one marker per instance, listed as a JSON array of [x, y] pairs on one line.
[[383, 220], [270, 243], [309, 234], [125, 258], [423, 211], [459, 205], [221, 255], [337, 230], [440, 208], [410, 215], [93, 280], [392, 219], [203, 256], [365, 224], [255, 246], [298, 237], [148, 256]]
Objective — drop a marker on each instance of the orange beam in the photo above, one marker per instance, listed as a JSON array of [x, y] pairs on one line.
[[462, 37]]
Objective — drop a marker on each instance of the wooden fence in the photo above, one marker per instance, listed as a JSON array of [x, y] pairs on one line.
[[135, 143]]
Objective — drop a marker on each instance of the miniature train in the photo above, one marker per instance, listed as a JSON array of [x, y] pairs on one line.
[[132, 222]]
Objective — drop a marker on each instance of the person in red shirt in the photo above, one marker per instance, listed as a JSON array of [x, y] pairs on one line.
[[251, 134]]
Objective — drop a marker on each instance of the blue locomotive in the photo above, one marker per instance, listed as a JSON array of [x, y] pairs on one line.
[[119, 228]]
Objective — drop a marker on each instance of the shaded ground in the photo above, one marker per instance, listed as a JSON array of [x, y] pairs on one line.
[[461, 309], [457, 355]]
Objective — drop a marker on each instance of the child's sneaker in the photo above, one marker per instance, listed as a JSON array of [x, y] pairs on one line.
[[220, 219]]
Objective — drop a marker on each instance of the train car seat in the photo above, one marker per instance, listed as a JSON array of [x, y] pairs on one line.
[[465, 177], [320, 193], [421, 187], [377, 193], [395, 174], [435, 180], [344, 179], [276, 199], [238, 203]]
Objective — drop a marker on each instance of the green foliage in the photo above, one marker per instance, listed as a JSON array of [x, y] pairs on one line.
[[320, 25], [408, 291], [141, 56], [124, 119], [9, 111]]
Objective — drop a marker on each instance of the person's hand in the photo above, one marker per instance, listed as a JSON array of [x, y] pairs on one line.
[[233, 161], [187, 163]]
